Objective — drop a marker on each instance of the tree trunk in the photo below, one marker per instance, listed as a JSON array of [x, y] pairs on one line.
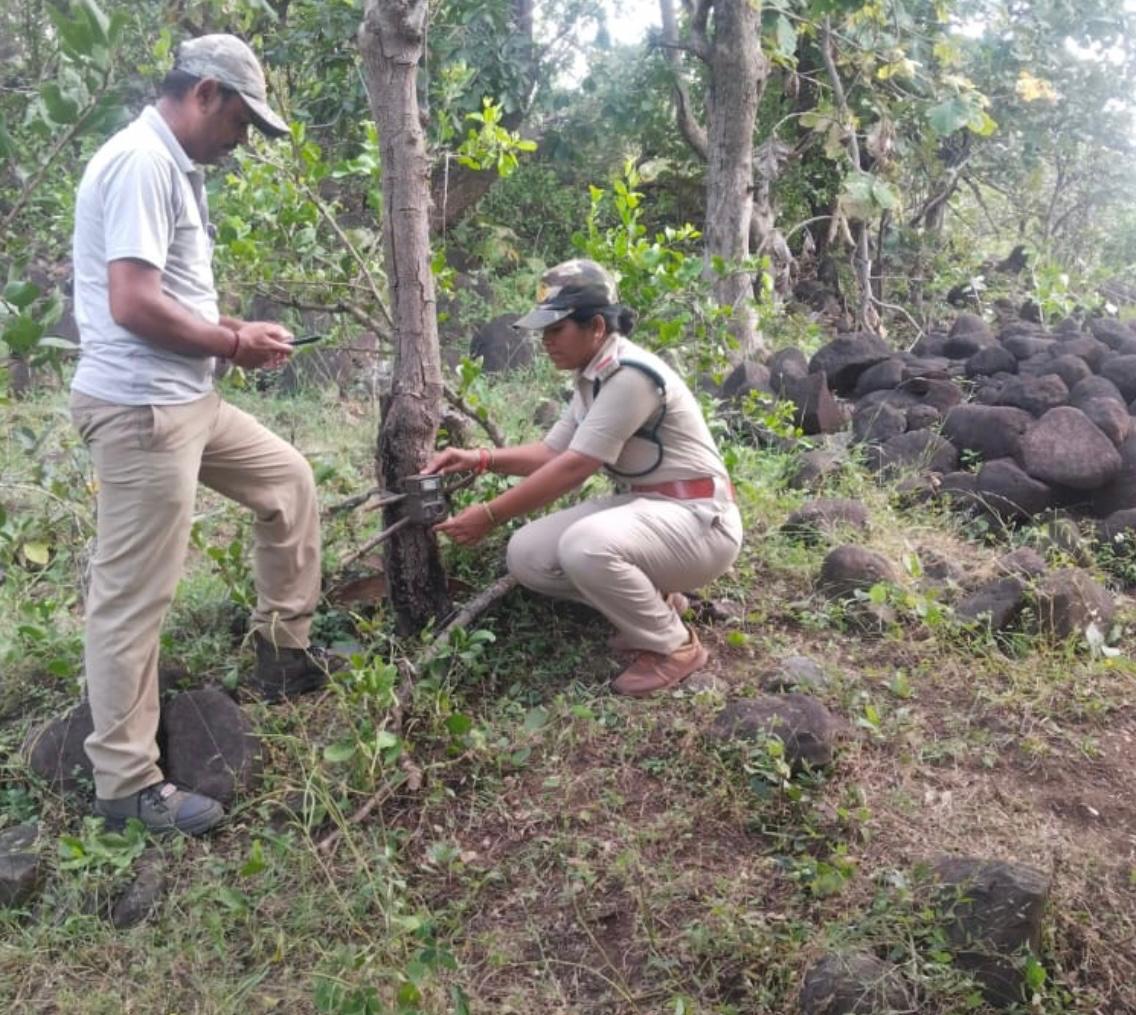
[[392, 42], [738, 69], [737, 73]]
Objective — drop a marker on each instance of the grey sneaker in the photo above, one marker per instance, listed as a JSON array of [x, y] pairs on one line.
[[286, 672], [163, 808]]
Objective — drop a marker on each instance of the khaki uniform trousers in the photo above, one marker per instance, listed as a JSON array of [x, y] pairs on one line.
[[148, 460], [623, 554]]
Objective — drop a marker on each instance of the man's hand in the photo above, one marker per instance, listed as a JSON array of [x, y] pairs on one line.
[[262, 344], [453, 460], [468, 527]]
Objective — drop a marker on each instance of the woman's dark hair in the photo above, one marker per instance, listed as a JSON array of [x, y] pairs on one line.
[[177, 84], [617, 317]]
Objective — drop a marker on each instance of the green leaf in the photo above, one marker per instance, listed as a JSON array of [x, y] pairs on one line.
[[255, 863], [786, 36], [61, 108], [535, 718], [99, 21], [338, 753], [459, 724], [37, 553], [55, 342], [7, 148], [21, 333], [949, 116], [21, 294]]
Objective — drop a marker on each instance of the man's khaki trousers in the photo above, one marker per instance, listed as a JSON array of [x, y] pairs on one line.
[[623, 554], [148, 460]]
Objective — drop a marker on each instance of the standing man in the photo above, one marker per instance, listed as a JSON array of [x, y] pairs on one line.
[[143, 402]]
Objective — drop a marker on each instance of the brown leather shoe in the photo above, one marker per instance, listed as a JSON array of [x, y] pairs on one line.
[[653, 672], [618, 642]]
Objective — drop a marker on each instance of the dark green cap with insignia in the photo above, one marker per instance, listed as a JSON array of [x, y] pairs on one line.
[[571, 286]]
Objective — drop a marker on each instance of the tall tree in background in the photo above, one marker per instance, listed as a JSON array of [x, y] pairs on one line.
[[724, 36], [392, 41]]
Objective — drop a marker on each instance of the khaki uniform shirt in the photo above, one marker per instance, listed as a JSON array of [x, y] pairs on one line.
[[604, 426]]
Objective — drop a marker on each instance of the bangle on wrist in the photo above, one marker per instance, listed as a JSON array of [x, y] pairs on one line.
[[490, 464], [236, 345], [489, 512]]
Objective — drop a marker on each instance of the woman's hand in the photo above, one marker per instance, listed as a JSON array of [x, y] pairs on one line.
[[453, 460], [467, 527]]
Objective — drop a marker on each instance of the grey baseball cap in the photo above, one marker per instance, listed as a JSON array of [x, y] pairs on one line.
[[571, 286], [229, 60]]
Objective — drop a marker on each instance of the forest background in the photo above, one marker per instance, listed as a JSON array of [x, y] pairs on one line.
[[896, 160]]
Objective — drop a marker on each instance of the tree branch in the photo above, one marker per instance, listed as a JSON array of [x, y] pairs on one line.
[[492, 429]]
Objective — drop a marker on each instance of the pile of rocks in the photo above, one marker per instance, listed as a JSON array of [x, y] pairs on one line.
[[1044, 417]]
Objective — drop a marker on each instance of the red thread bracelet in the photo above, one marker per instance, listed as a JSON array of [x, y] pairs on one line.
[[482, 460], [236, 345]]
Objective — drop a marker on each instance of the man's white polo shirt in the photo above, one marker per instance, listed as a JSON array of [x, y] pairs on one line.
[[141, 197]]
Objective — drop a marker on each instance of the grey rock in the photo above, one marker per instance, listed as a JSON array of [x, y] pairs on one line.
[[1024, 562], [996, 604], [704, 680], [796, 673], [1026, 346], [785, 364], [1110, 417], [968, 335], [1119, 531], [922, 417], [991, 360], [930, 344], [806, 728], [897, 399], [853, 983], [991, 911], [917, 449], [845, 358], [938, 567], [1118, 494], [139, 898], [991, 431], [882, 377], [960, 489], [19, 865], [825, 515], [1071, 369], [1110, 331], [501, 346], [54, 751], [1094, 387], [874, 424], [813, 467], [1121, 370], [1069, 600], [1065, 448], [1037, 395], [1008, 493], [1086, 348], [847, 569], [817, 410], [746, 377], [934, 391], [209, 745]]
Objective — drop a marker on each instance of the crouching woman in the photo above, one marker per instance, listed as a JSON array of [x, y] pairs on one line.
[[672, 523]]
